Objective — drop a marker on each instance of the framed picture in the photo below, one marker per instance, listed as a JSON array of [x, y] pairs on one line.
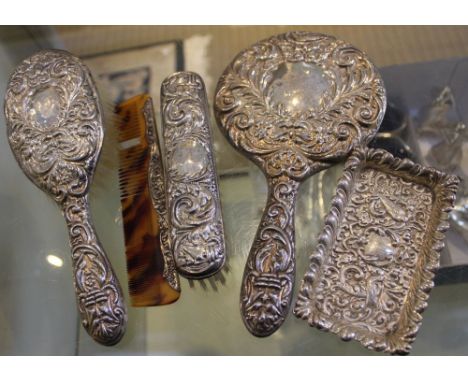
[[128, 72]]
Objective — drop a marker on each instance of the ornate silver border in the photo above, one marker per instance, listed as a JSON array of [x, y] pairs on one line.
[[396, 339], [60, 157], [289, 143], [195, 219], [158, 195]]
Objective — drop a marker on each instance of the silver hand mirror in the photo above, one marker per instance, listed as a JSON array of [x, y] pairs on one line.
[[55, 131], [294, 104]]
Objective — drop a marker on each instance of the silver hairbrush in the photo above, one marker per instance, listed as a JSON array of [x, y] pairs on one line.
[[55, 131]]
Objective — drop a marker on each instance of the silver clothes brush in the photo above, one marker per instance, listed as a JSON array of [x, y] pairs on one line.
[[54, 127], [195, 218]]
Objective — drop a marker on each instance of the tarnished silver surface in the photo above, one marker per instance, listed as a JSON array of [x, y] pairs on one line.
[[158, 195], [373, 268], [293, 103], [196, 225], [55, 131]]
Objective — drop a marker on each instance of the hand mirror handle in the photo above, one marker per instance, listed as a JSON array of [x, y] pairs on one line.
[[295, 104], [269, 273]]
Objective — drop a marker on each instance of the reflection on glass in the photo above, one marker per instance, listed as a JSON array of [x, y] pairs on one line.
[[54, 260]]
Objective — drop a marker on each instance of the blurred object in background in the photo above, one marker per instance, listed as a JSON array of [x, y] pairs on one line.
[[395, 133], [446, 133]]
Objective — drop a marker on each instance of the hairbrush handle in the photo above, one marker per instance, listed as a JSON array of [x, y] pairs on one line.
[[270, 269], [98, 293]]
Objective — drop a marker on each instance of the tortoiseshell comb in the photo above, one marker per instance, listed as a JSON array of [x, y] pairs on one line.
[[152, 278]]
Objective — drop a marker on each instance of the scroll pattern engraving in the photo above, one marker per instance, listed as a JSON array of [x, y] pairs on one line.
[[100, 303], [269, 273], [197, 233], [60, 158], [373, 267], [292, 145], [351, 109], [158, 196]]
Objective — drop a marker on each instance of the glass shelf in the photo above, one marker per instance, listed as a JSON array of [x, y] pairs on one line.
[[37, 305]]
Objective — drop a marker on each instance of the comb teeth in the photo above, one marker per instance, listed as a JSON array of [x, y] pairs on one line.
[[133, 149], [131, 133], [144, 255], [133, 122], [134, 187], [133, 145], [130, 143]]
